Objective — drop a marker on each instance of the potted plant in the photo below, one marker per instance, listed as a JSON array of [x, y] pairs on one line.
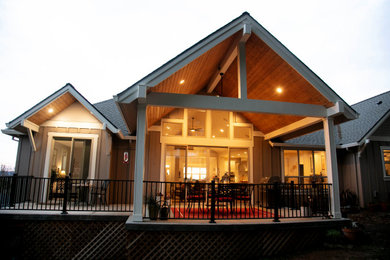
[[153, 206]]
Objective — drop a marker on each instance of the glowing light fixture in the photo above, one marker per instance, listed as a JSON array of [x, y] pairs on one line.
[[181, 82], [279, 90], [192, 130], [213, 136], [50, 110], [221, 130], [168, 127]]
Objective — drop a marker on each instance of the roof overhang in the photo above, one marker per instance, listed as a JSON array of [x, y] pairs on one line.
[[241, 44], [61, 99]]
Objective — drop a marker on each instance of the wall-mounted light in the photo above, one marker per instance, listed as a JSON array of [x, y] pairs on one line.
[[181, 82], [50, 110]]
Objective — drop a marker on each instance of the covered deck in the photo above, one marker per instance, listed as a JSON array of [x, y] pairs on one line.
[[239, 69]]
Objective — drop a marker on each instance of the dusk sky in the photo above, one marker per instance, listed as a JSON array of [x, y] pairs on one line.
[[102, 47]]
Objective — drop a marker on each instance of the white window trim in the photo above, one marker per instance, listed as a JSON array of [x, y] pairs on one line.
[[50, 143], [385, 177]]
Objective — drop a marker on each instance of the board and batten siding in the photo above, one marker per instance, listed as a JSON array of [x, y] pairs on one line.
[[23, 156], [36, 160], [266, 160], [375, 188]]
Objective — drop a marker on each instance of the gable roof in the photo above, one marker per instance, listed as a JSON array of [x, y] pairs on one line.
[[110, 110], [269, 63], [62, 98], [373, 112]]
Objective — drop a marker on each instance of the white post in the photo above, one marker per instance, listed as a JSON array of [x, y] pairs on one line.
[[241, 62], [331, 166], [139, 163]]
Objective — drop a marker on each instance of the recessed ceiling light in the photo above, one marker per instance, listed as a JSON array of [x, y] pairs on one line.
[[181, 82], [221, 130], [279, 90], [51, 110]]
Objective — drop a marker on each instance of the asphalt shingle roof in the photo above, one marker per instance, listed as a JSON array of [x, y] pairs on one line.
[[109, 109], [371, 111]]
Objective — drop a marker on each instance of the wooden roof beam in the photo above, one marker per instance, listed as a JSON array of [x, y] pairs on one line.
[[293, 127], [230, 56], [234, 104]]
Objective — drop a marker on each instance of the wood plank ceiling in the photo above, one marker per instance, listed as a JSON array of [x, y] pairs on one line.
[[57, 105], [266, 71]]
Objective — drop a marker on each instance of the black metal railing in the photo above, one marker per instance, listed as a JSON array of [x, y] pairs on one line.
[[213, 201], [65, 194]]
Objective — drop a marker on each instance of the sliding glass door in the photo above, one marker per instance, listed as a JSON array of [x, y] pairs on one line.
[[70, 156], [205, 163]]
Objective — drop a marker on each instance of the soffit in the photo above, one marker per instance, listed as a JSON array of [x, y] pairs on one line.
[[196, 76], [58, 105]]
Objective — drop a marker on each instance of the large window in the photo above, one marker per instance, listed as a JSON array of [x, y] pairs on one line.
[[70, 156], [304, 166], [386, 161], [203, 163]]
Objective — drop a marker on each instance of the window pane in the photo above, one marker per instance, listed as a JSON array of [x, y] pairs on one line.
[[196, 122], [242, 132], [218, 164], [176, 114], [80, 160], [320, 163], [172, 129], [175, 163], [290, 163], [305, 164], [238, 165], [220, 124], [386, 159], [60, 156], [196, 159], [238, 118]]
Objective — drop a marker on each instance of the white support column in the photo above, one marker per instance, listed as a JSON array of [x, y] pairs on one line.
[[331, 166], [241, 69], [139, 163]]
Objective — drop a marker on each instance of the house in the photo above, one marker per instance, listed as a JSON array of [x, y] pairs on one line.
[[363, 150], [211, 113]]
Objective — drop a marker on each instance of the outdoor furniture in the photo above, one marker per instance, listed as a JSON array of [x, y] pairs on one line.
[[196, 194], [58, 190], [224, 196], [243, 195], [99, 192]]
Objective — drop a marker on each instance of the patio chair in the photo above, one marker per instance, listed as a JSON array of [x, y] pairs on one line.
[[196, 195], [99, 192], [243, 195], [225, 196], [58, 190]]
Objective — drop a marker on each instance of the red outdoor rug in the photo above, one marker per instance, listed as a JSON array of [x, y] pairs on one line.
[[221, 213]]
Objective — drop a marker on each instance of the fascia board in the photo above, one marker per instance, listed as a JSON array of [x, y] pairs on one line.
[[39, 106], [375, 127], [187, 56], [294, 62]]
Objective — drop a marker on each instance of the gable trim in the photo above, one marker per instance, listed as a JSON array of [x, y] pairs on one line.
[[67, 88]]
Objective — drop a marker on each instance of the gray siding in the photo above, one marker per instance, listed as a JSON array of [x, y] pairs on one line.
[[23, 156], [153, 156], [375, 189], [36, 160], [266, 160]]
